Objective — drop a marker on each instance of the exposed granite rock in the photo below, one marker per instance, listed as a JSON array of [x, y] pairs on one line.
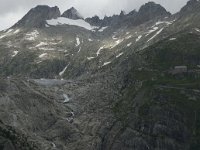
[[72, 13], [37, 16], [146, 13]]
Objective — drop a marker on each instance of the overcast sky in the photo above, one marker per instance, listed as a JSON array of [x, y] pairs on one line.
[[13, 10]]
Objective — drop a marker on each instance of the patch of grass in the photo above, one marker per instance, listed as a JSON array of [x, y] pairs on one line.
[[167, 54]]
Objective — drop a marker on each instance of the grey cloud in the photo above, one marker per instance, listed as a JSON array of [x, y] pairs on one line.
[[13, 10]]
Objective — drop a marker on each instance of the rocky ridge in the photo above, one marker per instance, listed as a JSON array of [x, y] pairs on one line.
[[72, 13]]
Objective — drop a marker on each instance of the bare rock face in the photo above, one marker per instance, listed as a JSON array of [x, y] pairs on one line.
[[150, 11], [147, 12], [191, 7], [72, 13], [12, 139], [37, 16], [94, 21]]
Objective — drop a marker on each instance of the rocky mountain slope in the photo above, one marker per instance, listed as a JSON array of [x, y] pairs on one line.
[[69, 83], [72, 13], [146, 13]]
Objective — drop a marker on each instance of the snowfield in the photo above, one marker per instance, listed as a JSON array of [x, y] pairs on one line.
[[67, 21]]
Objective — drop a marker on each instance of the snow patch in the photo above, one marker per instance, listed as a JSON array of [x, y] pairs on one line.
[[138, 38], [79, 49], [77, 41], [66, 98], [46, 48], [2, 36], [129, 44], [114, 37], [54, 43], [120, 54], [41, 44], [99, 50], [43, 55], [155, 34], [15, 53], [90, 58], [117, 43], [32, 35], [63, 21], [54, 145], [63, 71], [106, 63], [46, 25], [152, 30], [90, 40], [102, 29], [38, 62], [16, 31], [172, 39], [128, 37], [10, 30], [163, 22], [8, 33], [198, 30]]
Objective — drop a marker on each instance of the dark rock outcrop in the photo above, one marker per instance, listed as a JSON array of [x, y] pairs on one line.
[[72, 13], [37, 16], [11, 139], [190, 7], [146, 13], [150, 11], [94, 21]]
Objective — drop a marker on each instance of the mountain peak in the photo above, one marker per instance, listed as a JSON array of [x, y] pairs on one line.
[[191, 6], [152, 9], [147, 12], [94, 21], [122, 13], [37, 16], [72, 13]]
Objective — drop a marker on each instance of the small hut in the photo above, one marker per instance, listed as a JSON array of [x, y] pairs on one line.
[[179, 70]]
